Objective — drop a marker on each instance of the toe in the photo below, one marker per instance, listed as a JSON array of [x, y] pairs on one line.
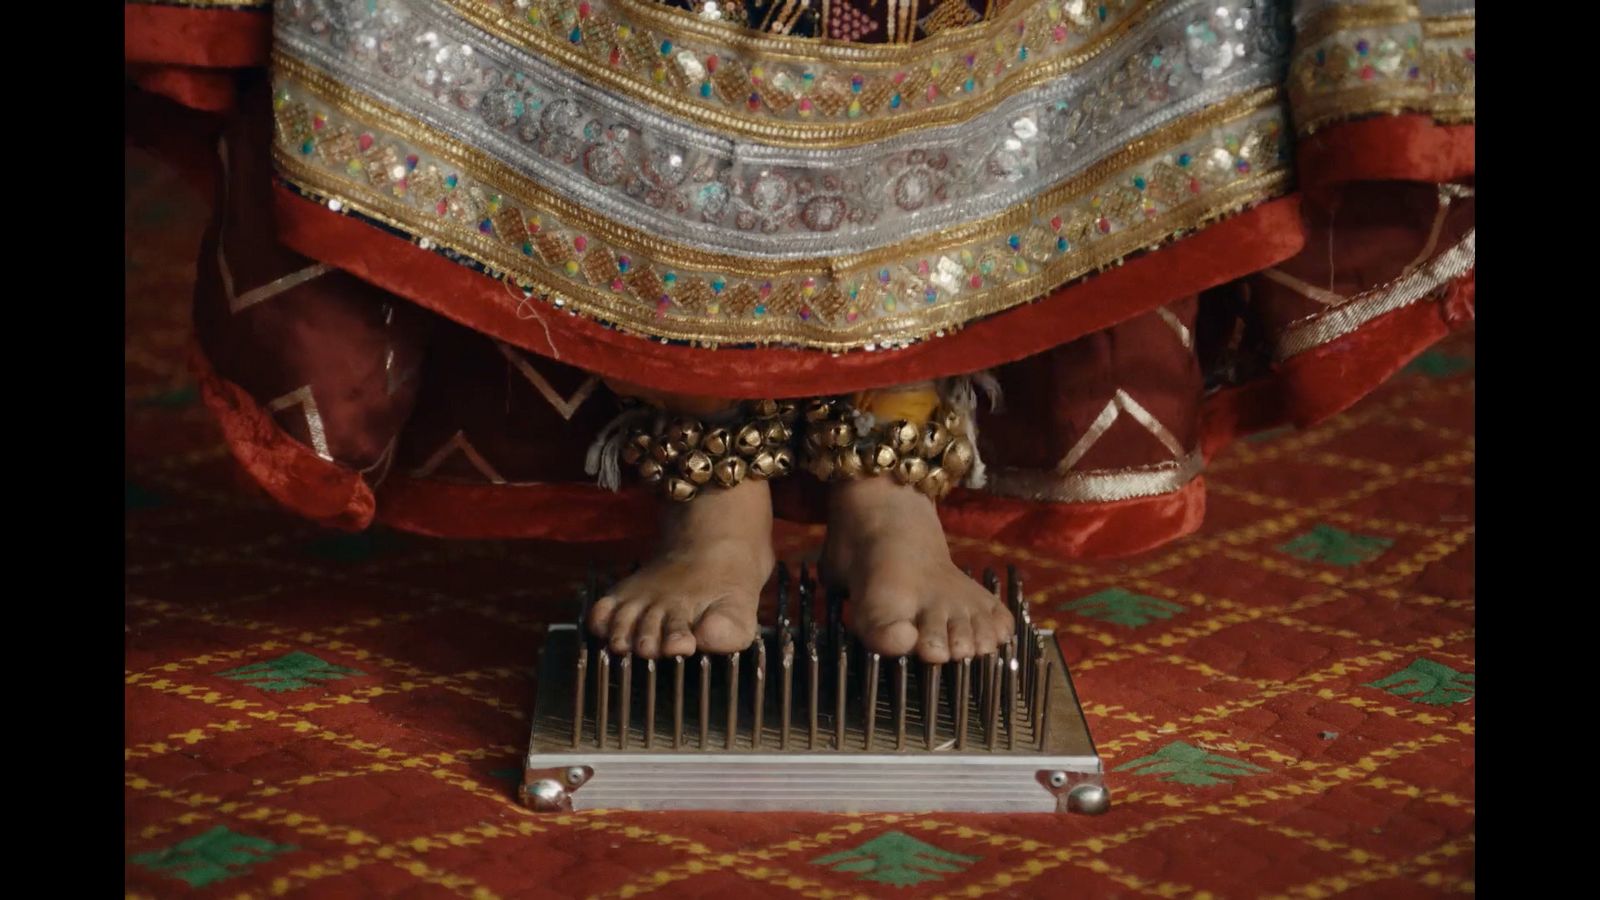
[[895, 638], [726, 626], [933, 636], [647, 631], [961, 637], [1004, 625], [620, 634], [677, 638], [600, 616], [984, 637]]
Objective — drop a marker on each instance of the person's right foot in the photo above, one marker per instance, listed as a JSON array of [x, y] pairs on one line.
[[701, 590]]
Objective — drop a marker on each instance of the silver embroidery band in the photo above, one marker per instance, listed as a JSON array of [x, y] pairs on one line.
[[1364, 307]]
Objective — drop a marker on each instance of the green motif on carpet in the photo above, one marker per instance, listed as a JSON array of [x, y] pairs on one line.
[[1120, 607], [136, 497], [1336, 547], [211, 857], [1438, 364], [1183, 763], [176, 398], [290, 672], [896, 859], [1425, 681]]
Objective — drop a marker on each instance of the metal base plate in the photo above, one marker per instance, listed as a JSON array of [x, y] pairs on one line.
[[807, 720]]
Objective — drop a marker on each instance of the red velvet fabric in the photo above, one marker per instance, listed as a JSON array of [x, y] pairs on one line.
[[185, 36], [1389, 148], [207, 90], [289, 471], [1248, 242]]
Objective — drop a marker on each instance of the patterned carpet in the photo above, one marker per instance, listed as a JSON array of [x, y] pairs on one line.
[[1284, 701]]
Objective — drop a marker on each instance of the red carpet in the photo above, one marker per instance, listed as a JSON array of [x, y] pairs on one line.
[[1284, 700]]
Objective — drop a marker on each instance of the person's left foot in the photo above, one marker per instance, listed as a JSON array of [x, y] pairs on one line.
[[886, 547]]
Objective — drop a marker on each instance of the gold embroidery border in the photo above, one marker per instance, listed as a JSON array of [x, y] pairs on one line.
[[1341, 104], [784, 132], [1326, 23], [888, 330], [485, 169], [1097, 485]]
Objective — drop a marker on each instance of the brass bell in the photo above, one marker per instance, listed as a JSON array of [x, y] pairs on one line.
[[716, 441], [650, 471], [958, 458], [783, 461], [685, 433], [636, 449], [821, 465], [764, 464], [764, 409], [953, 421], [695, 466], [840, 434], [776, 433], [935, 437], [818, 410], [815, 442], [663, 452], [788, 412], [911, 470], [903, 437], [750, 440], [729, 471], [935, 484], [884, 457], [681, 490], [847, 463]]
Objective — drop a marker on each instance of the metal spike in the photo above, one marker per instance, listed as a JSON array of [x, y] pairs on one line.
[[930, 701], [602, 695], [625, 719], [814, 664], [1040, 687], [901, 675], [1011, 695], [677, 703], [961, 700], [784, 618], [985, 670], [733, 699], [807, 602], [705, 701], [649, 704], [586, 599], [1028, 659], [786, 697], [869, 714], [1041, 713], [758, 720], [835, 604], [577, 694], [841, 683], [992, 702]]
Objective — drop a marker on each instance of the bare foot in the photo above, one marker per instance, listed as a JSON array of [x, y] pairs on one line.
[[886, 546], [701, 590]]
